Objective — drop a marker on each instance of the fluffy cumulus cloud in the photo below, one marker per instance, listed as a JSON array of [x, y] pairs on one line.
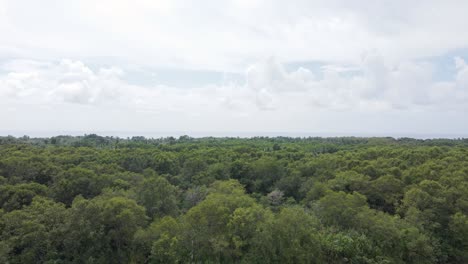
[[267, 85], [373, 85], [71, 94], [66, 81], [307, 65]]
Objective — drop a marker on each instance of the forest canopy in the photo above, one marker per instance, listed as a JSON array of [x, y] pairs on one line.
[[94, 199]]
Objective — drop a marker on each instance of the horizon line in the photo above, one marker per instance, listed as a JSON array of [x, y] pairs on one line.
[[226, 134]]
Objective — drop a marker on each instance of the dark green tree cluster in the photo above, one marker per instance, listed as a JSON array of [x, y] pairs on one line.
[[94, 199]]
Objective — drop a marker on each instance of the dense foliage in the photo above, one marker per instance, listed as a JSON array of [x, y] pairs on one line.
[[95, 199]]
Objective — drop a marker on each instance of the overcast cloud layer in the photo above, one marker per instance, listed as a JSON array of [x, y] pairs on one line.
[[346, 67]]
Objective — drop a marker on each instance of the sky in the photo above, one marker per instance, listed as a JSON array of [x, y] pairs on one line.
[[234, 67]]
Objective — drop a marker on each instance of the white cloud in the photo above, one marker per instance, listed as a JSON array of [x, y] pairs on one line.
[[374, 84], [373, 57], [67, 81], [462, 81], [232, 34], [268, 86], [70, 95]]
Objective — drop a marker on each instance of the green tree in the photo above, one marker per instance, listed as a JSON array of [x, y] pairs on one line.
[[33, 234], [16, 196], [158, 196], [264, 173], [101, 230], [206, 224], [289, 237], [76, 181]]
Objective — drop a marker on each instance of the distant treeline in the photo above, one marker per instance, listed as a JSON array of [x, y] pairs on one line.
[[94, 199], [93, 140]]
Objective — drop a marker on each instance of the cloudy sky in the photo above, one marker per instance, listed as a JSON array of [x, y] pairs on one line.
[[234, 66]]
